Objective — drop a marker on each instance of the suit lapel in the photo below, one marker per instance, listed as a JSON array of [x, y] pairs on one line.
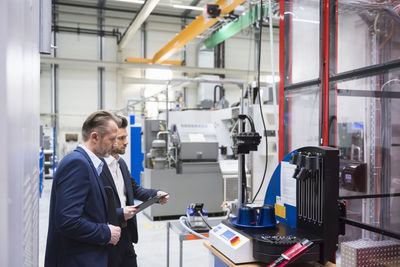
[[127, 182], [130, 197], [110, 179], [99, 183]]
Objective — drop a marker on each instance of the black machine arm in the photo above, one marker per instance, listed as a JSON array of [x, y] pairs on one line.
[[247, 141]]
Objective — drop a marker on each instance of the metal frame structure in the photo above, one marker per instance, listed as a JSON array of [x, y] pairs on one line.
[[327, 81]]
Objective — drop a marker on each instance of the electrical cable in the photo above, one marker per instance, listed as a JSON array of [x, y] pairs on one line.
[[204, 220], [233, 128], [244, 116], [388, 82], [259, 98]]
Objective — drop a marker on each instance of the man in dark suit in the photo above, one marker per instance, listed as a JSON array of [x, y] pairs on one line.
[[78, 232], [116, 175]]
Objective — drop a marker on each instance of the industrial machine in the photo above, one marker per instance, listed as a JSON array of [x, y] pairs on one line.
[[197, 217], [301, 202], [182, 161]]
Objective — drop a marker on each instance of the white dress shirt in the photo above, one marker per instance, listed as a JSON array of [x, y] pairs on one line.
[[116, 173], [98, 164]]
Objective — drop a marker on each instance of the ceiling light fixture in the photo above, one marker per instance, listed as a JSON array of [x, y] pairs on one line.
[[132, 1], [164, 5], [188, 7]]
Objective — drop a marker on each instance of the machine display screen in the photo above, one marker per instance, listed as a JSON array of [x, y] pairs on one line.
[[228, 234]]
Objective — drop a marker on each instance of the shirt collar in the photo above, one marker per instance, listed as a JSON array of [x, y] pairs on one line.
[[98, 164], [110, 160]]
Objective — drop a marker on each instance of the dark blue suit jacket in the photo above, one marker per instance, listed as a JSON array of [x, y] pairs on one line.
[[133, 191], [78, 231]]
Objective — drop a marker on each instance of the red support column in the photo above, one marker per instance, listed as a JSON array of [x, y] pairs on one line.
[[325, 74]]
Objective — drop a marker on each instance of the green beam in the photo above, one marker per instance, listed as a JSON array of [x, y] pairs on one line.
[[234, 27]]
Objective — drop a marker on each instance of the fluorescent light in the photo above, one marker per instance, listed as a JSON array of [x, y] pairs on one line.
[[162, 4], [301, 20], [159, 74], [270, 80], [132, 1], [188, 7], [306, 21]]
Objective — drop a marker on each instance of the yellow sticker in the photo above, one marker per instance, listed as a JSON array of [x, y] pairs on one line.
[[236, 242], [280, 211], [148, 226]]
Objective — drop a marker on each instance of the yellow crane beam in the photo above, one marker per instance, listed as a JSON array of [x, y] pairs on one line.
[[198, 26], [147, 60]]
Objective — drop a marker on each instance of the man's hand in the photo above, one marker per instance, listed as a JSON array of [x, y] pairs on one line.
[[164, 199], [129, 212], [115, 234]]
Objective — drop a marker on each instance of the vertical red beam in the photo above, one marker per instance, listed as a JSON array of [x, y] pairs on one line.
[[325, 70], [289, 69], [281, 77]]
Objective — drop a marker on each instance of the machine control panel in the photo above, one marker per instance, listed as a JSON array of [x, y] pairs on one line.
[[235, 246]]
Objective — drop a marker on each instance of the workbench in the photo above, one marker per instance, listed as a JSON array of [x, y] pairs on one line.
[[221, 261], [183, 235]]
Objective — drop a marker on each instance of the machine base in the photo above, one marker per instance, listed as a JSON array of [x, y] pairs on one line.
[[270, 243]]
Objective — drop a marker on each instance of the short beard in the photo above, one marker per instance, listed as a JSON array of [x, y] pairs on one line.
[[118, 151]]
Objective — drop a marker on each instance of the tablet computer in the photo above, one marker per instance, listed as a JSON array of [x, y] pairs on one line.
[[150, 202]]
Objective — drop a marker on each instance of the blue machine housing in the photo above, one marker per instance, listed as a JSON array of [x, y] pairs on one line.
[[190, 212], [274, 191], [136, 150], [312, 212]]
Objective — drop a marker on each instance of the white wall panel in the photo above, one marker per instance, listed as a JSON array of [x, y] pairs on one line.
[[90, 18], [133, 48], [77, 90], [110, 89], [110, 49], [81, 46], [77, 99], [239, 53], [158, 39]]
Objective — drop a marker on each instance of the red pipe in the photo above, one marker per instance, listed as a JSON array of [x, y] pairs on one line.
[[325, 69]]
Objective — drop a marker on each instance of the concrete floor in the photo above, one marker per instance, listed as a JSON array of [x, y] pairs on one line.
[[152, 245]]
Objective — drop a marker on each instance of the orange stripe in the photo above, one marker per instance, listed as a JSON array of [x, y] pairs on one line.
[[192, 237]]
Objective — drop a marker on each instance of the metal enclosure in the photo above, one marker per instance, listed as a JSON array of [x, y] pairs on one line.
[[198, 141], [345, 94], [198, 183], [188, 170]]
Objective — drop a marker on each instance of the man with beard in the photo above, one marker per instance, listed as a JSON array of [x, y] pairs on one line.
[[116, 175], [78, 231]]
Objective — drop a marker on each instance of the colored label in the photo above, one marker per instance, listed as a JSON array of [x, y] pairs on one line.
[[234, 241], [280, 211]]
